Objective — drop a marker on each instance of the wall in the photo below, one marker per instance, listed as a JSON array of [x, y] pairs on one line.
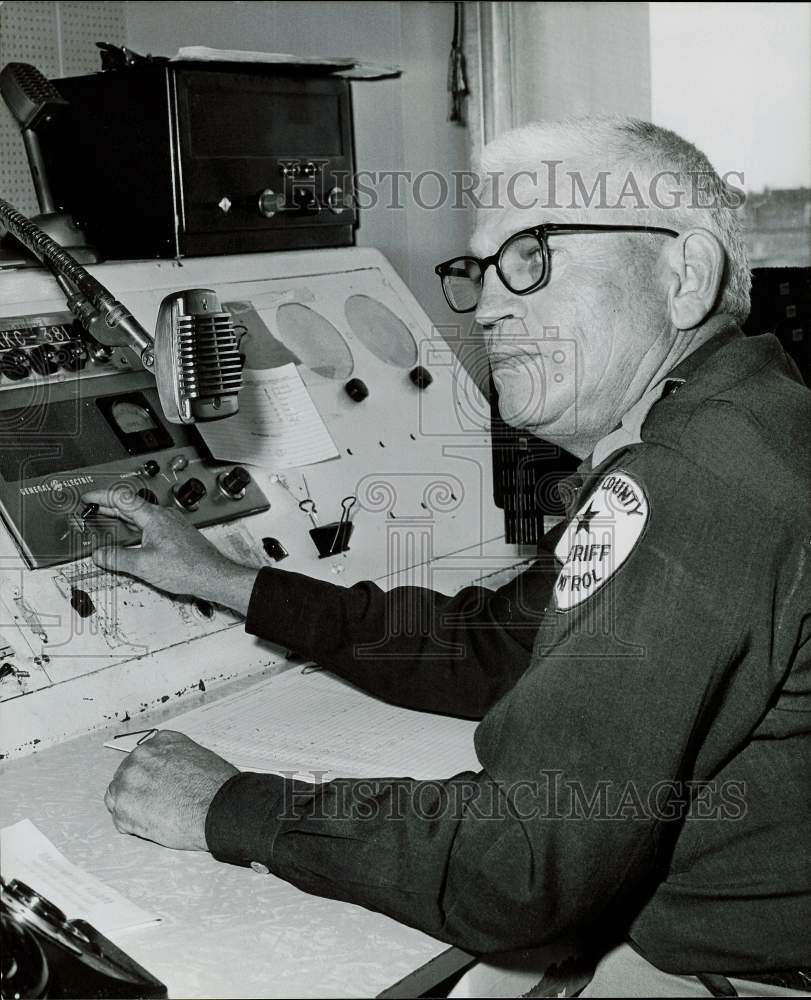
[[59, 39], [582, 58]]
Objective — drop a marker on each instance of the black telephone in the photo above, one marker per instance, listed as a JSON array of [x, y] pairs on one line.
[[43, 954]]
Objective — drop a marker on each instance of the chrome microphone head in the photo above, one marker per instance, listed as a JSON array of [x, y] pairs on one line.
[[197, 364]]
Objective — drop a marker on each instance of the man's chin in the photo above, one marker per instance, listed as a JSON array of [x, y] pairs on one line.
[[532, 419]]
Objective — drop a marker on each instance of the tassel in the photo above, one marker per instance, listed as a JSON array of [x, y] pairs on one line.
[[457, 75]]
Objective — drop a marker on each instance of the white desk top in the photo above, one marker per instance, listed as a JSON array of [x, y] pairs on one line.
[[226, 931]]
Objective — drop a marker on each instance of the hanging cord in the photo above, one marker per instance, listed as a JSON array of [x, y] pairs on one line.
[[457, 74]]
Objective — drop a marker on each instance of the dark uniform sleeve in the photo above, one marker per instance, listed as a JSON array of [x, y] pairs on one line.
[[411, 646], [653, 681]]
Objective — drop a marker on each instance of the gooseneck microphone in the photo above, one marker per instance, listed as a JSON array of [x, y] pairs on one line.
[[33, 101], [194, 355]]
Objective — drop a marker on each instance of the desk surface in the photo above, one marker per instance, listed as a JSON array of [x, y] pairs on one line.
[[226, 931]]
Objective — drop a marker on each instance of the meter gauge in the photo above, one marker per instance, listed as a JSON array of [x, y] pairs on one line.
[[135, 423]]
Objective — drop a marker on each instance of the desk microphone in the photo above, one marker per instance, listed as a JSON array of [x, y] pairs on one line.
[[194, 355], [34, 101], [197, 365]]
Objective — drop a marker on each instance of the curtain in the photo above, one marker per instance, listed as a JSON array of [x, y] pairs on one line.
[[533, 61]]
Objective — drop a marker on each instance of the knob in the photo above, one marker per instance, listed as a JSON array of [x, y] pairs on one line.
[[151, 468], [15, 365], [268, 203], [44, 359], [305, 201], [357, 390], [233, 483], [100, 354], [335, 201], [274, 549], [421, 377], [73, 356], [189, 494]]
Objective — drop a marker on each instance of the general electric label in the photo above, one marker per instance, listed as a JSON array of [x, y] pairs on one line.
[[599, 538]]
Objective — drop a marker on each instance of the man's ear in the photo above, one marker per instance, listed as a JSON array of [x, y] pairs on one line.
[[695, 270]]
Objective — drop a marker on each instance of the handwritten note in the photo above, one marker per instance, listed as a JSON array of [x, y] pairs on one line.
[[277, 426], [29, 856]]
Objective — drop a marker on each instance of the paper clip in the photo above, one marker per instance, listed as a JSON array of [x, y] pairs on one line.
[[346, 505], [309, 508], [142, 734]]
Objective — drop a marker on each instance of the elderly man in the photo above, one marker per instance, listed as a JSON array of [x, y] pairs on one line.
[[644, 764]]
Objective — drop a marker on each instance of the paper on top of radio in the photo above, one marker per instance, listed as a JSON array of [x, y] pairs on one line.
[[30, 857], [352, 69], [277, 426]]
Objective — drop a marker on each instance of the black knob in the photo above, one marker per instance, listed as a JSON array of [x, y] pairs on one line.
[[233, 483], [73, 356], [44, 359], [15, 364], [421, 377], [305, 201], [189, 494], [151, 468], [357, 390], [274, 549]]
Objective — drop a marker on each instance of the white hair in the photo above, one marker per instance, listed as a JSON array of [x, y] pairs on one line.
[[630, 149]]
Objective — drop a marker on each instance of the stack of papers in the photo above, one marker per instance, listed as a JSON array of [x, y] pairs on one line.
[[318, 727]]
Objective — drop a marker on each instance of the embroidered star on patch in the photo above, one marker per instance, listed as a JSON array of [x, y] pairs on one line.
[[599, 538]]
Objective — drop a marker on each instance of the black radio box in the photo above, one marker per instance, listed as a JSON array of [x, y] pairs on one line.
[[196, 159]]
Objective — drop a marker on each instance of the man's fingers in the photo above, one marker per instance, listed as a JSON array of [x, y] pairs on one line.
[[120, 501], [117, 558]]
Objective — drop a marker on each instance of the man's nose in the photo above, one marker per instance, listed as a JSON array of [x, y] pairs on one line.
[[497, 302]]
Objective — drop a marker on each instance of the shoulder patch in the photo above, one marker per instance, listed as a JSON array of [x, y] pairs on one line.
[[599, 538]]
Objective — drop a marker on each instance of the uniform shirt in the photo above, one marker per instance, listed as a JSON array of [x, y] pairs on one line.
[[647, 766]]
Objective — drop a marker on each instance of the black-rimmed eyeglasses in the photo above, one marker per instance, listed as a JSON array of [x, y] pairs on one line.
[[521, 262]]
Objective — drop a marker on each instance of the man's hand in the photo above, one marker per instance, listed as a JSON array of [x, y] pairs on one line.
[[173, 556], [163, 790]]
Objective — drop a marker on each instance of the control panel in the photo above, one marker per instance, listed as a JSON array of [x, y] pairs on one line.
[[60, 440], [337, 354]]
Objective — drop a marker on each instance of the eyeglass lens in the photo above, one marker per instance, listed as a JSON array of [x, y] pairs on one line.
[[522, 263], [462, 283]]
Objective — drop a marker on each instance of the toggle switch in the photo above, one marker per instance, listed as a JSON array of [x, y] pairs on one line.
[[357, 390], [187, 495], [421, 377], [234, 483], [147, 495]]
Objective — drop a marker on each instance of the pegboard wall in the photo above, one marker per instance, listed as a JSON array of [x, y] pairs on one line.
[[59, 39]]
